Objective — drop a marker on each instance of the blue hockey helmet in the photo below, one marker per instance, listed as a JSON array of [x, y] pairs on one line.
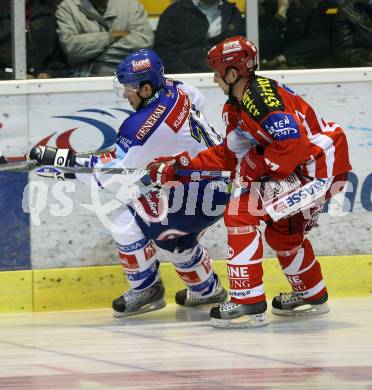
[[142, 65]]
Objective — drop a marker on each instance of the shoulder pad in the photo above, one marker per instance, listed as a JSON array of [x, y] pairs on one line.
[[261, 98]]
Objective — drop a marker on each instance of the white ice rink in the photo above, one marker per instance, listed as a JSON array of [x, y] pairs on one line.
[[176, 349]]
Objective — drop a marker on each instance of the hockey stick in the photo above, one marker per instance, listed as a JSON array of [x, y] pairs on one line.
[[19, 166], [27, 166], [130, 171]]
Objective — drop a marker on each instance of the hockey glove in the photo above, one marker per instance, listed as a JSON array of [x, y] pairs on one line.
[[253, 165], [47, 155], [164, 169]]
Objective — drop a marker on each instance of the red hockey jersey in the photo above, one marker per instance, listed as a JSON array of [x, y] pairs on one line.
[[295, 137]]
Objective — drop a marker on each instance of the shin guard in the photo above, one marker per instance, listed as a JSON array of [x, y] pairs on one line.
[[303, 271], [244, 264], [194, 267]]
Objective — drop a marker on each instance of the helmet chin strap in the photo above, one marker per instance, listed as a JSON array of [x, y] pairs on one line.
[[155, 94], [231, 86], [142, 102]]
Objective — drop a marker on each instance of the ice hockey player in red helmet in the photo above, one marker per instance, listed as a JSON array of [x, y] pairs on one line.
[[275, 139]]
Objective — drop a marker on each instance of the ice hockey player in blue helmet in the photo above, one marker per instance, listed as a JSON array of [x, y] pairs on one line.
[[167, 121]]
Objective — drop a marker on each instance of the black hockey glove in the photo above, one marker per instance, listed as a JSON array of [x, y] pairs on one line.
[[47, 155]]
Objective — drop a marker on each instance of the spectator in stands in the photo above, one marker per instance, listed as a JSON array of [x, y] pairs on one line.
[[5, 41], [97, 34], [187, 29], [44, 56], [352, 34], [296, 33]]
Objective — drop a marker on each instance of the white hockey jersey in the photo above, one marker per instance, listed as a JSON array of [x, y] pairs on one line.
[[169, 124]]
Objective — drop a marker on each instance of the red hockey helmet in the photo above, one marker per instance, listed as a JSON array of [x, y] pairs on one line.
[[235, 52]]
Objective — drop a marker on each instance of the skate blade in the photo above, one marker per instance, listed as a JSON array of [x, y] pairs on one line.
[[253, 321], [144, 309], [305, 310]]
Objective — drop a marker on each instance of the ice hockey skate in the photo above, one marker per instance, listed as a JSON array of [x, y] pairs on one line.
[[292, 304], [235, 315], [134, 302], [188, 298]]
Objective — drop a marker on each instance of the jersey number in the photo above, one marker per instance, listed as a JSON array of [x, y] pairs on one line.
[[199, 132]]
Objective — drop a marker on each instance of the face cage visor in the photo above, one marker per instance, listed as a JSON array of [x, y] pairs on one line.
[[120, 89]]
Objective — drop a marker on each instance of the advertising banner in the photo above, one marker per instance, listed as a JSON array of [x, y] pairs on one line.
[[55, 224]]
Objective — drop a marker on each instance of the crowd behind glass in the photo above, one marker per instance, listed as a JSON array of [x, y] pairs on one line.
[[73, 38]]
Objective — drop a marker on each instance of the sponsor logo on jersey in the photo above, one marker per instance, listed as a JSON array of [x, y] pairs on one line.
[[239, 294], [141, 65], [150, 121], [296, 282], [180, 112], [149, 251], [249, 103], [230, 47], [151, 200], [189, 277], [132, 247], [237, 271], [260, 98], [128, 261], [230, 252], [207, 264], [153, 204], [124, 142], [238, 284], [184, 161], [269, 94], [281, 126], [312, 190]]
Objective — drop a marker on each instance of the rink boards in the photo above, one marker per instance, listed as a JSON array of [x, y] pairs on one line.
[[61, 233], [96, 287]]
